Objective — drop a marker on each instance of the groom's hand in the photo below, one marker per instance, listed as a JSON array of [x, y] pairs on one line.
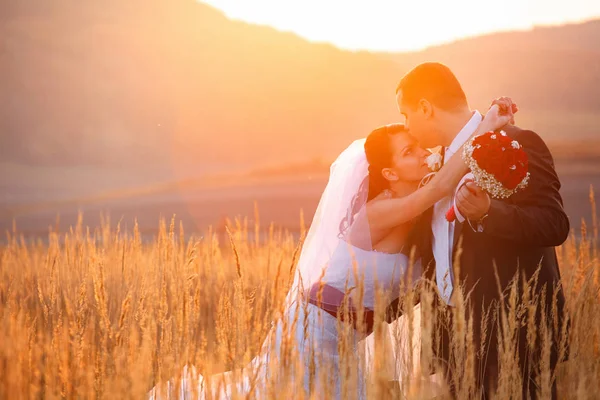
[[473, 203]]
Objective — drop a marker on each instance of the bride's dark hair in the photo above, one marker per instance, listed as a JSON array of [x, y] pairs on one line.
[[379, 155]]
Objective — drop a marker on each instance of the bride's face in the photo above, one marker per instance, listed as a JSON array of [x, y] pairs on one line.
[[409, 159]]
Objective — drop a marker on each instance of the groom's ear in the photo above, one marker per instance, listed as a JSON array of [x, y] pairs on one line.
[[389, 174], [425, 108]]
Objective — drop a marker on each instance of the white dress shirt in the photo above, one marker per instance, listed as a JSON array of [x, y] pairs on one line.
[[443, 231]]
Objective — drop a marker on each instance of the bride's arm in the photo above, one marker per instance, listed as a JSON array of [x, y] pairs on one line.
[[388, 213]]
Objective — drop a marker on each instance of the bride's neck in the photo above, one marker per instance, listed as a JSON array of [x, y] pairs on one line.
[[402, 189]]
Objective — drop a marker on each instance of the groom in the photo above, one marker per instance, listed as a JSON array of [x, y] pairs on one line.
[[500, 239]]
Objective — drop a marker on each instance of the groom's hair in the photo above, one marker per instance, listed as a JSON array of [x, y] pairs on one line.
[[436, 83]]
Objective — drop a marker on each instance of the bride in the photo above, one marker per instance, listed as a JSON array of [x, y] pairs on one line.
[[356, 255]]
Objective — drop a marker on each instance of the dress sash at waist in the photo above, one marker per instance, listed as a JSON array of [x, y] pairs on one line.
[[333, 300]]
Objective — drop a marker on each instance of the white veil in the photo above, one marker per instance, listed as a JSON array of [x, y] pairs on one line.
[[337, 213]]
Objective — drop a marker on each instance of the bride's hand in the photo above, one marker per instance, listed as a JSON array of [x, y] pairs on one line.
[[501, 113]]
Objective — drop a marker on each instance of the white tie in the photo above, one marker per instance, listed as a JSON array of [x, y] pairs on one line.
[[442, 246]]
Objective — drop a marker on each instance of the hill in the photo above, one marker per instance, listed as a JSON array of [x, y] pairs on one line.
[[100, 96], [556, 69]]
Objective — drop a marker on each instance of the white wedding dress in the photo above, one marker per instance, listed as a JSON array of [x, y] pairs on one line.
[[311, 329], [336, 256]]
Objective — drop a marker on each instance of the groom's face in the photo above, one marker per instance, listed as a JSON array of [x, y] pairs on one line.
[[419, 120]]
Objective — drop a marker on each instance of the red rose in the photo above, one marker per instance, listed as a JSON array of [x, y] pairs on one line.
[[510, 162], [502, 175], [519, 163], [481, 156], [513, 180], [495, 154], [505, 141], [494, 160], [522, 159], [484, 140]]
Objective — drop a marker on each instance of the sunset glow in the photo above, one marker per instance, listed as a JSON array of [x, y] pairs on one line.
[[397, 25]]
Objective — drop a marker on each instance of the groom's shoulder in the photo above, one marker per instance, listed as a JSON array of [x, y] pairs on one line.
[[514, 131], [530, 141], [526, 135]]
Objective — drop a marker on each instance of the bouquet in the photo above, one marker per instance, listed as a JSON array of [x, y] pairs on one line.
[[498, 163]]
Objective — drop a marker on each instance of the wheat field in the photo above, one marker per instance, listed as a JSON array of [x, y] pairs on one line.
[[97, 313]]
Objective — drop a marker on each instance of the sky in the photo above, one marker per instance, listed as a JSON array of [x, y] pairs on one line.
[[401, 25]]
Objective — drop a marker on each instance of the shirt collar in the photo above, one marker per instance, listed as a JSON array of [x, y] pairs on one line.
[[465, 132]]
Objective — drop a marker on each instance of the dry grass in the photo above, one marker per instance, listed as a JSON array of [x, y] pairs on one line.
[[101, 314]]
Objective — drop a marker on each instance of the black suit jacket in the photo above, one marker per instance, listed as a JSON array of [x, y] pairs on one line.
[[519, 236], [519, 233]]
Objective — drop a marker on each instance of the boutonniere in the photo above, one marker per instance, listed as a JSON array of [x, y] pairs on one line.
[[434, 161]]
